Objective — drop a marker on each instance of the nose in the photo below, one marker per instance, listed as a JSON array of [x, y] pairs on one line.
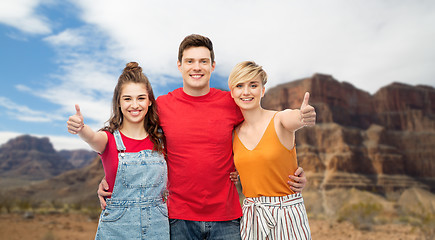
[[134, 104], [196, 65], [245, 90]]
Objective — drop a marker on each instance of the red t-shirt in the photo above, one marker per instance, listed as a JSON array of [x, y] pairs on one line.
[[198, 134], [110, 155]]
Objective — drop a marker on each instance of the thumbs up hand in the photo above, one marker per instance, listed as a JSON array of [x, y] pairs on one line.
[[75, 122], [308, 113]]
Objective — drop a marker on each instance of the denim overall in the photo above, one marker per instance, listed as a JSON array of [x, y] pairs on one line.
[[136, 209]]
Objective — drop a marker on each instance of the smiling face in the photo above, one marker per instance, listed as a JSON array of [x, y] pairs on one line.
[[247, 95], [196, 67], [134, 103]]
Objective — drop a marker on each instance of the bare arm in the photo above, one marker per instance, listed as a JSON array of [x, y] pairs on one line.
[[293, 120], [96, 140]]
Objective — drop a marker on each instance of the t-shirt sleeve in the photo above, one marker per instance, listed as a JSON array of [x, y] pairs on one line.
[[106, 151], [239, 115]]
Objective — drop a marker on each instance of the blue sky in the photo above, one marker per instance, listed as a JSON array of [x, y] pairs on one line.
[[54, 54]]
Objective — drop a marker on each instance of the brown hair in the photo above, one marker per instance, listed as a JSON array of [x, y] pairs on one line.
[[195, 40], [132, 73]]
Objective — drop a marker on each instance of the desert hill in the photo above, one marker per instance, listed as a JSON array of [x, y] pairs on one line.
[[31, 158], [74, 186], [78, 158], [27, 159]]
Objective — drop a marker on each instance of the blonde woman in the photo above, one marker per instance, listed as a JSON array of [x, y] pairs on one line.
[[264, 152]]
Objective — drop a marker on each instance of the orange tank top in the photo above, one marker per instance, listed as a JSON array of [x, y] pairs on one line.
[[264, 170]]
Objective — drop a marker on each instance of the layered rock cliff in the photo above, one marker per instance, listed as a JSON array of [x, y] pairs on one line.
[[379, 142]]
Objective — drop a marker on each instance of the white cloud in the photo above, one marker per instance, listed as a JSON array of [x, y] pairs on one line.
[[69, 37], [370, 44], [6, 136], [24, 113], [83, 82], [85, 75], [21, 15]]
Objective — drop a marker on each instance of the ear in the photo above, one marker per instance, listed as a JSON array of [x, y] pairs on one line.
[[213, 65], [263, 91], [179, 65]]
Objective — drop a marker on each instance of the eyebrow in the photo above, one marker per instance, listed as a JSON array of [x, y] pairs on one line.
[[249, 82], [187, 59], [140, 95]]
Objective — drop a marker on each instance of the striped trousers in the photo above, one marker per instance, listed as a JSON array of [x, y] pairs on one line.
[[275, 218]]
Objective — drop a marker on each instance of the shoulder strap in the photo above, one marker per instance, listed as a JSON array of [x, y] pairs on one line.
[[119, 144]]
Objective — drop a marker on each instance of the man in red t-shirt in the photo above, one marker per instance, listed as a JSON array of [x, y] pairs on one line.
[[198, 122]]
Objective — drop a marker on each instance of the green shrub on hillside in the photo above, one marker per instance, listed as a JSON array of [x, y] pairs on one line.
[[362, 215]]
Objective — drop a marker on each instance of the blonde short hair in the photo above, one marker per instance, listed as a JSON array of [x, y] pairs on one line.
[[245, 72]]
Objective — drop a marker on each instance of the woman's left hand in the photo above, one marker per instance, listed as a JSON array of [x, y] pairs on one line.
[[298, 180]]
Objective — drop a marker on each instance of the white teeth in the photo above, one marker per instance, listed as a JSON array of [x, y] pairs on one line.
[[134, 113], [247, 99], [196, 76]]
